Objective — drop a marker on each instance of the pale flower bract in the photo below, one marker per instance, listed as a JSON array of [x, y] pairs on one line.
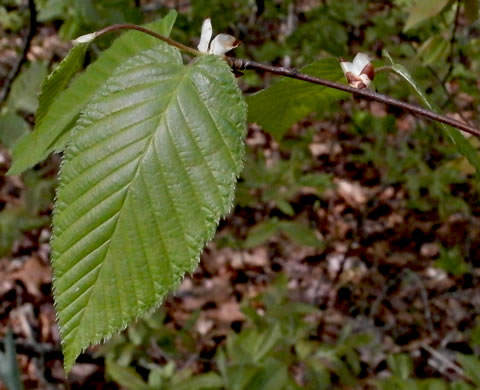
[[220, 45]]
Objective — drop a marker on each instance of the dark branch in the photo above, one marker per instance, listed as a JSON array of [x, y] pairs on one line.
[[242, 64], [144, 30], [27, 40]]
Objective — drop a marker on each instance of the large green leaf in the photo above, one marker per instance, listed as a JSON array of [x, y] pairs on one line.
[[53, 131], [463, 145], [149, 171], [289, 100]]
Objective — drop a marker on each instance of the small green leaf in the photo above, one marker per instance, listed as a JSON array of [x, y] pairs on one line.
[[460, 386], [53, 132], [272, 376], [261, 232], [458, 139], [471, 366], [126, 376], [424, 10], [471, 10], [401, 365], [451, 261], [12, 223], [207, 381], [435, 50], [150, 170], [301, 234], [23, 95], [289, 100], [58, 80], [12, 128]]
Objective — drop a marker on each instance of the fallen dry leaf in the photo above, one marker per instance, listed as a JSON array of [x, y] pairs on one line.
[[33, 274]]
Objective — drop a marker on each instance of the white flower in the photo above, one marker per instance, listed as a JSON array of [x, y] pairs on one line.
[[221, 44], [360, 73]]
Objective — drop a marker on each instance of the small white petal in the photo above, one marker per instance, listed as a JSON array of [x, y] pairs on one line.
[[359, 62], [346, 67], [85, 38], [223, 43], [206, 36]]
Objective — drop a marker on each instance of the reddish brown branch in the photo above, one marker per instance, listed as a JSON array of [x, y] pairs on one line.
[[242, 64]]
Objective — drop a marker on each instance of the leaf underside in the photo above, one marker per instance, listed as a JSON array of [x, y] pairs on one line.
[[150, 170], [60, 110]]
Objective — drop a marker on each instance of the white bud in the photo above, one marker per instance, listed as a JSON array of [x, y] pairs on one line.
[[222, 44], [85, 38]]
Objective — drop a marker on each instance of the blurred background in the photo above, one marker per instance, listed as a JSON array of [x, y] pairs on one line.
[[351, 258]]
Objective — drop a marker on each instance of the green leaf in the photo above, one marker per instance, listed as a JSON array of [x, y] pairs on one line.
[[289, 100], [9, 372], [401, 365], [12, 127], [261, 233], [471, 366], [471, 10], [424, 10], [209, 380], [12, 223], [253, 345], [53, 132], [273, 376], [452, 261], [126, 376], [58, 80], [463, 145], [23, 95], [302, 234], [149, 172], [238, 377], [460, 386], [435, 50]]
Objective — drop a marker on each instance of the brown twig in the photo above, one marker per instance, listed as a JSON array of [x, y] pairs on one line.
[[171, 42], [242, 64], [27, 40]]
